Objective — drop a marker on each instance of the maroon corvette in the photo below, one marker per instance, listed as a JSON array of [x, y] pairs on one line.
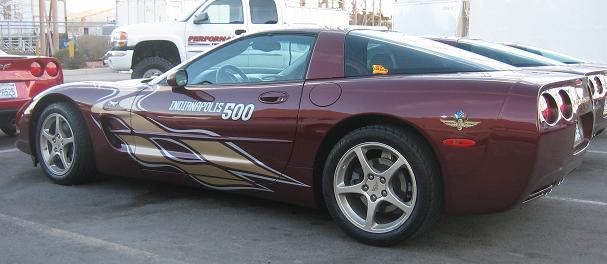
[[597, 75], [386, 131], [21, 78]]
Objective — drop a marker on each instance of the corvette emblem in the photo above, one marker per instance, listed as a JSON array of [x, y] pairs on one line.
[[5, 66], [460, 121]]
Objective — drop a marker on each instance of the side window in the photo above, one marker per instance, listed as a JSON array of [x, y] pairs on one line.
[[366, 57], [263, 12], [489, 53], [258, 59], [222, 12]]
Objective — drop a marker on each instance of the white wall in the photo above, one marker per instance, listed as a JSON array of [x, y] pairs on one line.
[[577, 28], [427, 17]]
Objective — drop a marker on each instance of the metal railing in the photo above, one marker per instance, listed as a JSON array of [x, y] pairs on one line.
[[23, 36]]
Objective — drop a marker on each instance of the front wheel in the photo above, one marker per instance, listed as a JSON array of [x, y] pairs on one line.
[[63, 145], [381, 185], [150, 67], [10, 129]]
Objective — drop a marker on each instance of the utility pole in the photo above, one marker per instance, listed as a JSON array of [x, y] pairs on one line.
[[380, 14], [55, 25], [355, 11], [42, 14], [373, 14], [365, 13]]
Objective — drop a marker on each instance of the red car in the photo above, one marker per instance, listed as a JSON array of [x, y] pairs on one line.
[[597, 75], [386, 131], [22, 78]]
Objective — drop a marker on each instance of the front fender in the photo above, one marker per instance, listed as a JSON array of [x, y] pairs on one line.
[[95, 100]]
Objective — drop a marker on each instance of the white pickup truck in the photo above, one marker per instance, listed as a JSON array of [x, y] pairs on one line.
[[153, 48]]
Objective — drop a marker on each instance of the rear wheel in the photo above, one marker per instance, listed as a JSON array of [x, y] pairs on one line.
[[63, 145], [10, 129], [381, 185]]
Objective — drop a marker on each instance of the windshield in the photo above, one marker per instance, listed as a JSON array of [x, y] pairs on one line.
[[551, 54], [460, 60], [187, 15], [506, 54]]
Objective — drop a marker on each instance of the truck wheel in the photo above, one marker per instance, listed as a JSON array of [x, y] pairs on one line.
[[381, 185], [63, 145], [151, 66], [10, 129]]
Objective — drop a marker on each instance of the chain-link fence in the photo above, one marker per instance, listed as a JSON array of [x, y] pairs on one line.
[[21, 37]]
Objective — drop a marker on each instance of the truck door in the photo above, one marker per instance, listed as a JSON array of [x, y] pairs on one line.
[[214, 23]]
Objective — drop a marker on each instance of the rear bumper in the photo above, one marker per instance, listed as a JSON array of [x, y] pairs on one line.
[[600, 117], [119, 60], [9, 108], [557, 158]]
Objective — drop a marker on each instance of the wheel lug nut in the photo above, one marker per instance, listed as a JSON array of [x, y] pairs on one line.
[[365, 187], [373, 198], [384, 193], [382, 180], [371, 177]]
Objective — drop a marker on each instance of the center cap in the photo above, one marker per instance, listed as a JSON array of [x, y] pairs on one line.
[[375, 187]]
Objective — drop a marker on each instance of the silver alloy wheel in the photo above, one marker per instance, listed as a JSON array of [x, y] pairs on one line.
[[151, 73], [375, 187], [57, 144]]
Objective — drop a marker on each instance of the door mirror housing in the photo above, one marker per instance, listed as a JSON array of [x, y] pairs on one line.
[[202, 18], [178, 79]]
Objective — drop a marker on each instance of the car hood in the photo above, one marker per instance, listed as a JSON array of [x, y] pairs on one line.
[[132, 85], [573, 69]]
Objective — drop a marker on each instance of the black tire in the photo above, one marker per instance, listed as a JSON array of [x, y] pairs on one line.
[[82, 168], [10, 129], [413, 148], [150, 63]]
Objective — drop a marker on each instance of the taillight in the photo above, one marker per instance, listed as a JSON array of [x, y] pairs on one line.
[[566, 105], [52, 69], [36, 69], [599, 85], [549, 111]]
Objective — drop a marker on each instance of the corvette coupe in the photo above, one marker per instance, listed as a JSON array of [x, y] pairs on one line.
[[385, 131], [597, 75], [21, 78]]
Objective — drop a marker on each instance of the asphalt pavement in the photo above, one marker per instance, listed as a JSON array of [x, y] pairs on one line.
[[121, 220]]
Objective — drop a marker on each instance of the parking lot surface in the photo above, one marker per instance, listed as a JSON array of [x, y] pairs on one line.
[[121, 220]]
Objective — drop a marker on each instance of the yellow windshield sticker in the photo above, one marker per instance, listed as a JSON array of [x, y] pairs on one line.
[[379, 69]]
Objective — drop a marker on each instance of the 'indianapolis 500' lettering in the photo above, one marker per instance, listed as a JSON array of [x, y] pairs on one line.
[[231, 111]]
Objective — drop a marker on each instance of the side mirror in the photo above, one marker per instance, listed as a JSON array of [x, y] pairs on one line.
[[178, 79], [201, 18]]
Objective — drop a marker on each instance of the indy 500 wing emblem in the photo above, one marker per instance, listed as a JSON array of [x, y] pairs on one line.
[[459, 121], [213, 163]]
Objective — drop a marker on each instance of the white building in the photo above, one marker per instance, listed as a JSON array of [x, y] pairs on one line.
[[576, 28]]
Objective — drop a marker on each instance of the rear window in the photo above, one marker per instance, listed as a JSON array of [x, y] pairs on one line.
[[505, 54], [263, 12], [553, 55], [381, 53]]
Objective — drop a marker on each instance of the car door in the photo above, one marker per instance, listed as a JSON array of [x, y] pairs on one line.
[[233, 125], [214, 23]]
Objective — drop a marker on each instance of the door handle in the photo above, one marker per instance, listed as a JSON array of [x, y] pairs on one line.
[[240, 31], [273, 97]]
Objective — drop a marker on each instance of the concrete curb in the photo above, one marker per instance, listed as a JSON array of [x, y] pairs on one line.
[[88, 71]]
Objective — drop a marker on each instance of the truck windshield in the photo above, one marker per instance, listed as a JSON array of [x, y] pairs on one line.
[[187, 15]]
